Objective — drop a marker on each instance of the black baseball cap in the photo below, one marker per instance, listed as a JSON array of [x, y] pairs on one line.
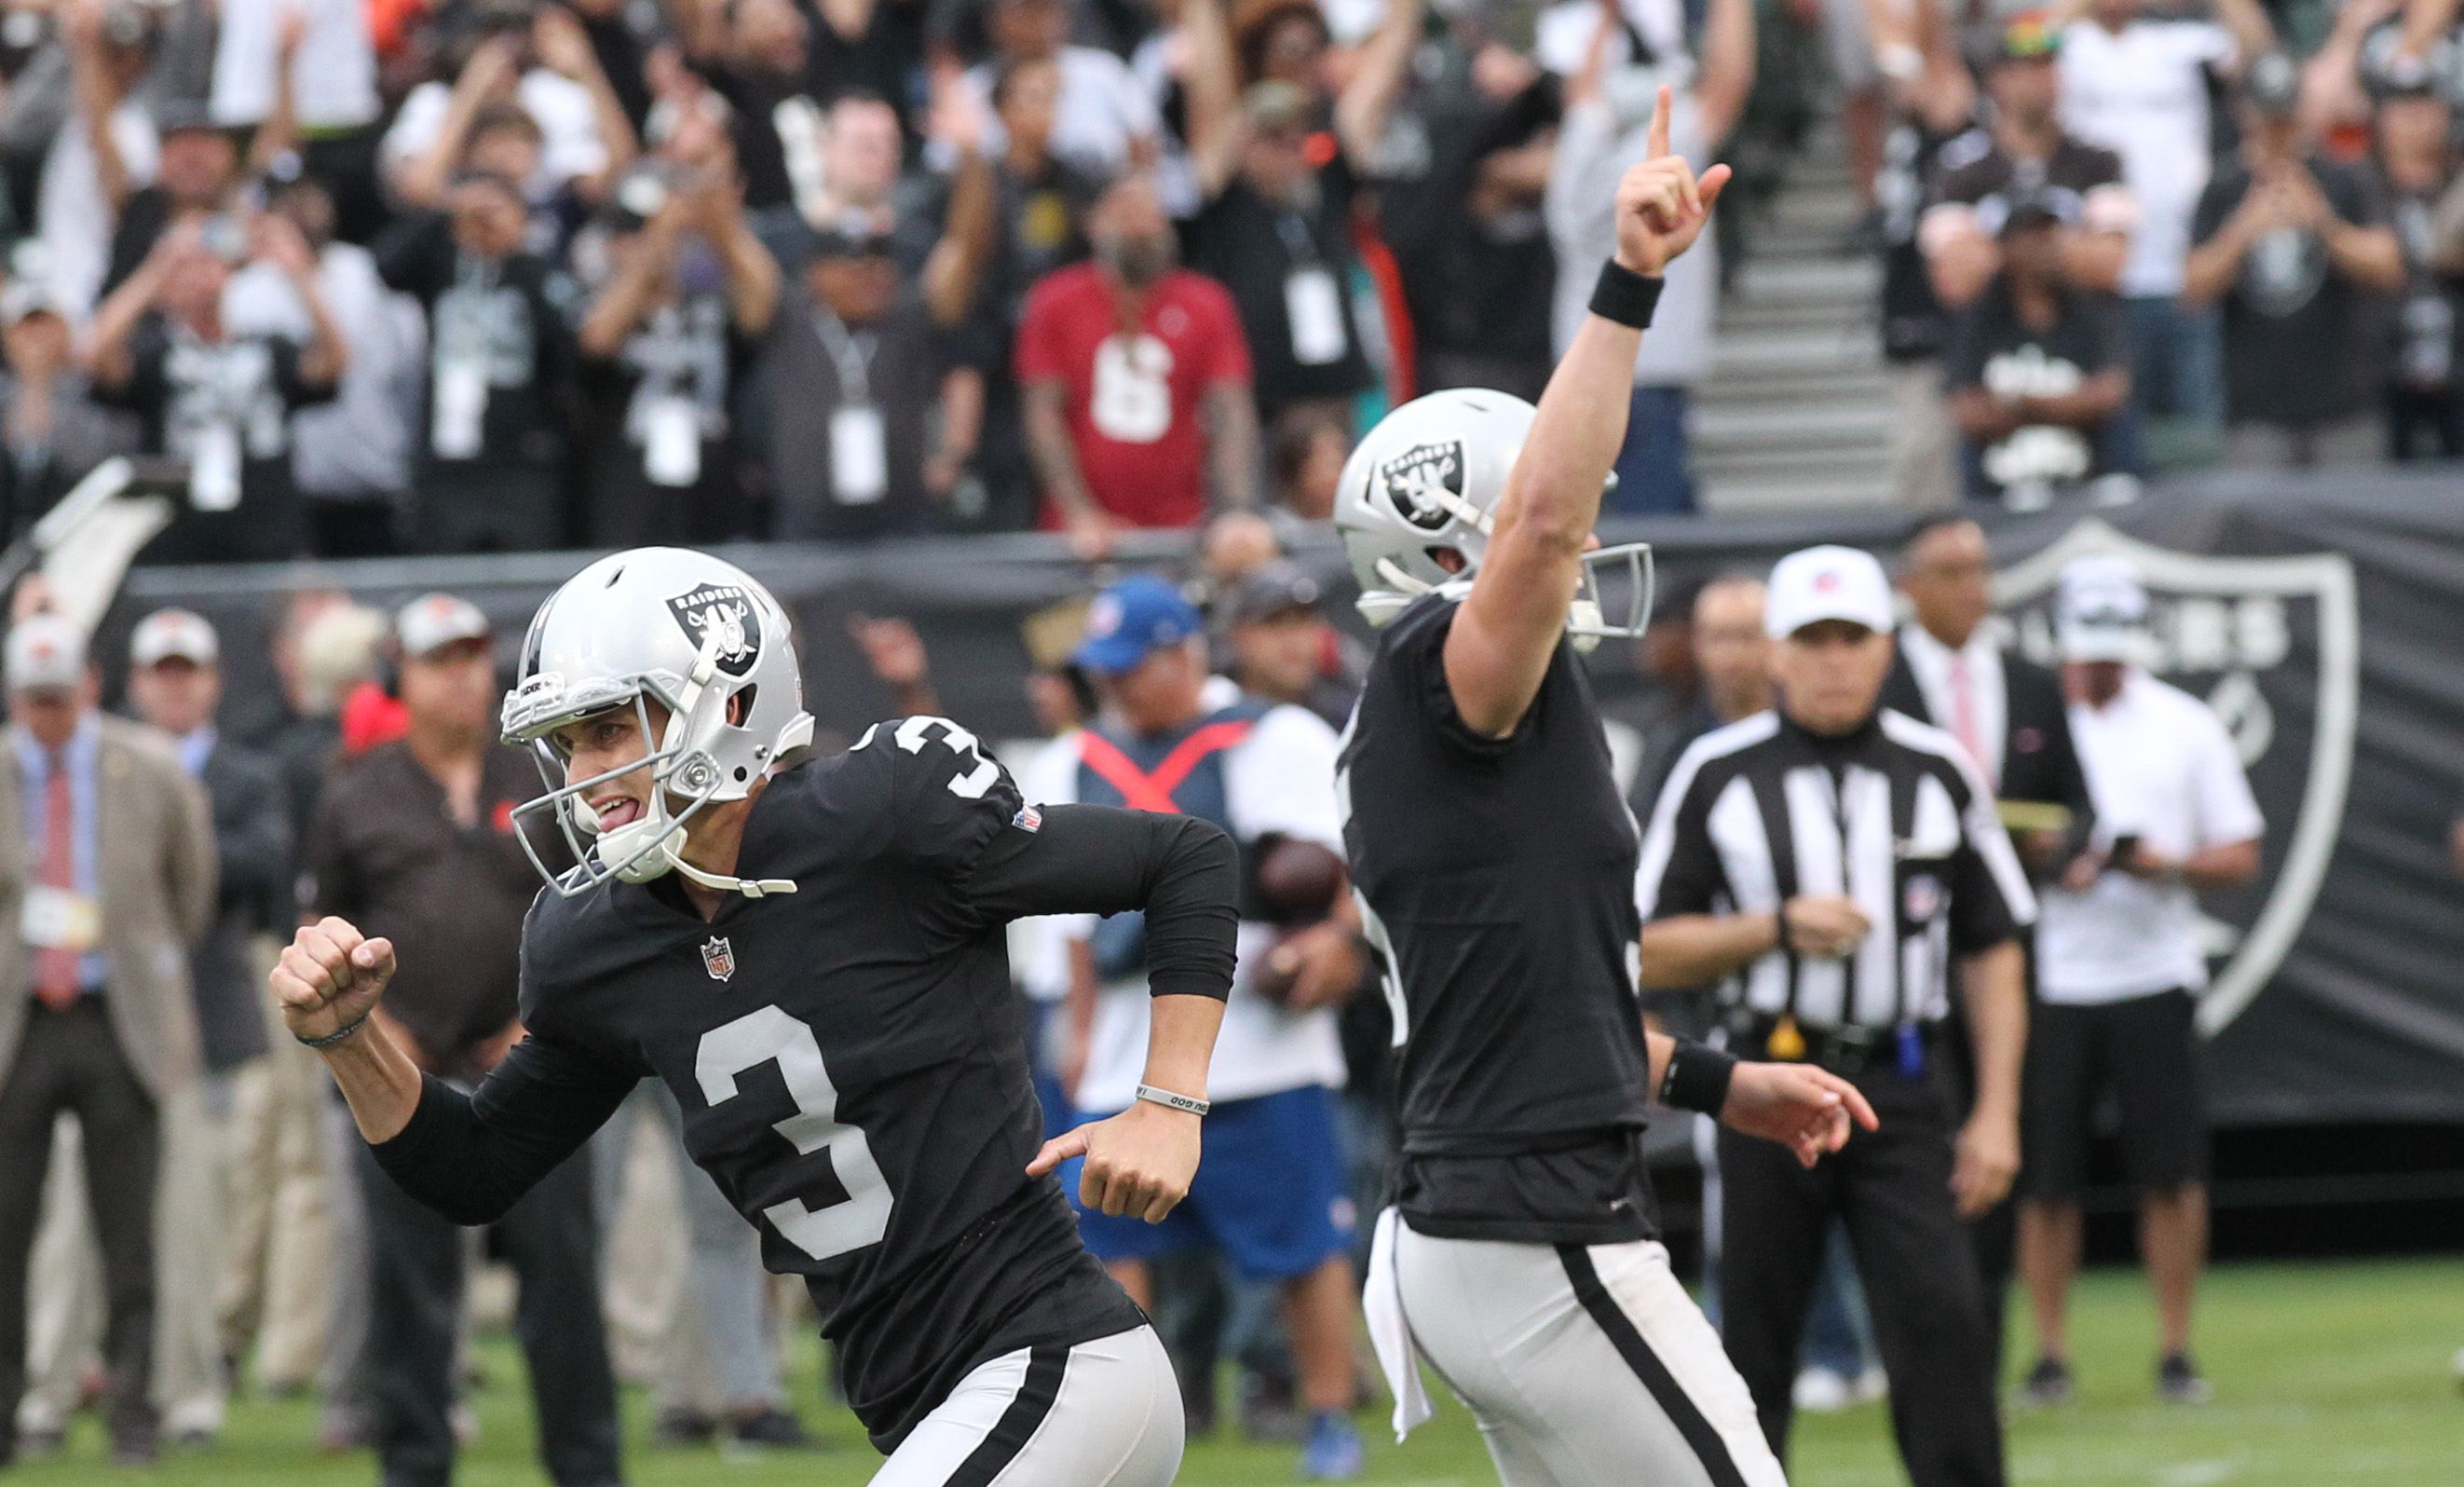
[[1269, 589], [852, 241], [187, 116]]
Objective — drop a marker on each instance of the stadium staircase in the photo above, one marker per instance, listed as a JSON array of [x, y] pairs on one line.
[[1794, 413]]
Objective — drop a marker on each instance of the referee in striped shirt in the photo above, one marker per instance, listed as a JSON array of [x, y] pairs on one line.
[[1834, 865]]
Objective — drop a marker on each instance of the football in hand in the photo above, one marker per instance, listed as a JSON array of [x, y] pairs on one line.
[[1297, 882]]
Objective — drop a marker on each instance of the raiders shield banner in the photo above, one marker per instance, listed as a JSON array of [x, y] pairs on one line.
[[2323, 616], [2224, 628]]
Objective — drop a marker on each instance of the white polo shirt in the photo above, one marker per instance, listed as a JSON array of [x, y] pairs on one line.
[[1279, 780], [2142, 92], [2160, 766]]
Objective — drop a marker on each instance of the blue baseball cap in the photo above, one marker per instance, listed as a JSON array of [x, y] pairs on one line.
[[1131, 620]]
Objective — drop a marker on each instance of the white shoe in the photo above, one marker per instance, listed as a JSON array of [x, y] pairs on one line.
[[1822, 1392], [200, 1416], [1872, 1384]]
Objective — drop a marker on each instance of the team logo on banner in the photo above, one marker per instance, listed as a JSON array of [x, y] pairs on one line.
[[719, 958], [2274, 645]]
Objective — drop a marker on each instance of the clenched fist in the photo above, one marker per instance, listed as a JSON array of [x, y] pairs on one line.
[[330, 977], [1661, 207]]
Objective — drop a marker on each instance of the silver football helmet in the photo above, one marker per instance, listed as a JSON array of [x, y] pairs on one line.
[[693, 634], [1429, 477]]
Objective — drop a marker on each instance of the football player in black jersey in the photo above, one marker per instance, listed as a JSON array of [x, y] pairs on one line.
[[810, 954], [1495, 865]]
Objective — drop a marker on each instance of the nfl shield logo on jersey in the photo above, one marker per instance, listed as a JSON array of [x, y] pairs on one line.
[[719, 958]]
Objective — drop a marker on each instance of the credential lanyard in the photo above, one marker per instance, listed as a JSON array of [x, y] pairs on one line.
[[851, 352]]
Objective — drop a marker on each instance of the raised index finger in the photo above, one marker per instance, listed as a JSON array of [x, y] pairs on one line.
[[1658, 136]]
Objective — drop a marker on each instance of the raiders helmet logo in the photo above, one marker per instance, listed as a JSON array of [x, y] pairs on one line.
[[719, 958], [1411, 477], [725, 610]]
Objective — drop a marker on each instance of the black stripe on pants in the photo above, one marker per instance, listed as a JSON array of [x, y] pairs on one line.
[[1018, 1423], [1892, 1188], [1628, 1340]]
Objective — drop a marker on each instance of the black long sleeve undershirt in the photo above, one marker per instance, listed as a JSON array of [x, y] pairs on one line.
[[1101, 860], [471, 1157]]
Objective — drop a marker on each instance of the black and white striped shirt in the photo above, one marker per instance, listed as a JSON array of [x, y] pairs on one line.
[[1892, 815]]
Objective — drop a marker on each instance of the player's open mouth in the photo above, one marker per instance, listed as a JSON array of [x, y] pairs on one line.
[[616, 810]]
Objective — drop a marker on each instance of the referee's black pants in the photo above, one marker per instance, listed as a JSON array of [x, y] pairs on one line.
[[1892, 1188], [415, 1264]]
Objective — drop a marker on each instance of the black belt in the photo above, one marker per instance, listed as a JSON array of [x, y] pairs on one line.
[[1848, 1050]]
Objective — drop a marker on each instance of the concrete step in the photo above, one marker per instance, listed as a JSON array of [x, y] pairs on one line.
[[1816, 212], [1836, 425], [1755, 315], [1734, 496], [1826, 283], [1816, 464], [1783, 355], [1806, 248], [1816, 386], [1818, 173]]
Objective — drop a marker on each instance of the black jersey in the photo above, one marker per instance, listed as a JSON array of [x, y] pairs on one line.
[[1497, 879], [849, 1058]]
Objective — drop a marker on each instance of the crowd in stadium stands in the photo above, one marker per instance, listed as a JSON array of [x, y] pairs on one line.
[[502, 275]]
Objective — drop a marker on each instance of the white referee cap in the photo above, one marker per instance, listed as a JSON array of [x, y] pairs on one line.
[[1826, 583]]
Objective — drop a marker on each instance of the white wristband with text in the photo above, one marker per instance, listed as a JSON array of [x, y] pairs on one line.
[[1172, 1101]]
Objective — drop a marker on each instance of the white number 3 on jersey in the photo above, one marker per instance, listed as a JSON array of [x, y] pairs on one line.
[[915, 732], [771, 1037]]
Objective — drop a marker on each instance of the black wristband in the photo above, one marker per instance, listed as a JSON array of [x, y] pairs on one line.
[[1624, 296], [1697, 1078], [336, 1036]]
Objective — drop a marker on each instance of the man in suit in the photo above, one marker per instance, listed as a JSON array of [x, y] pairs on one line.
[[108, 885], [1953, 672], [175, 684]]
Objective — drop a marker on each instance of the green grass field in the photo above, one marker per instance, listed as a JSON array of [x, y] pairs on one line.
[[2325, 1376]]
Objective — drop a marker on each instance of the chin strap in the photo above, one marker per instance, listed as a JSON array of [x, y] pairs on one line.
[[750, 887]]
